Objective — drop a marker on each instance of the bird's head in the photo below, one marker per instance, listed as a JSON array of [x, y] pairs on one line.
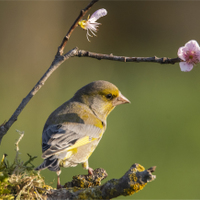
[[101, 97]]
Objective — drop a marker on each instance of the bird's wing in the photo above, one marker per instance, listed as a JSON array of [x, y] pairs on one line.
[[59, 138]]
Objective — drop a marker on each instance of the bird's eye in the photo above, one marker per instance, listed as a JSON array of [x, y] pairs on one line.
[[109, 96]]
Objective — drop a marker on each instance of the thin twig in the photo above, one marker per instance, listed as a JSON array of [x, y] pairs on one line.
[[37, 194], [31, 158], [55, 64], [20, 137], [74, 25], [17, 145], [23, 189], [58, 60], [164, 60], [17, 162]]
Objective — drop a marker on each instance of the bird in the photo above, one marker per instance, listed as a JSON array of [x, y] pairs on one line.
[[73, 131]]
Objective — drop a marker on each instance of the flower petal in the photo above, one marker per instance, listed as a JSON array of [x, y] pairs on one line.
[[181, 53], [192, 45], [198, 55], [93, 26], [97, 14], [185, 67]]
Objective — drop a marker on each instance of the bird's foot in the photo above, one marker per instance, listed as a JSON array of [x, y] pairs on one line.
[[90, 171], [58, 183], [59, 186]]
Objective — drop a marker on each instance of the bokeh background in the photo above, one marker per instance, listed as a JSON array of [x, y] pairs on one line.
[[161, 125]]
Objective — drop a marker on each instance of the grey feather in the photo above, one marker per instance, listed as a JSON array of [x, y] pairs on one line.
[[51, 163], [57, 138]]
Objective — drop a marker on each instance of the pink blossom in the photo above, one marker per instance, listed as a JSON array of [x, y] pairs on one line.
[[190, 54]]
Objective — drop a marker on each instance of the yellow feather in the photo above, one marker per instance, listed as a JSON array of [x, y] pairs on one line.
[[70, 153], [81, 142], [85, 165]]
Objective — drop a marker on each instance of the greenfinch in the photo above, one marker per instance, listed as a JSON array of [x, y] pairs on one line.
[[74, 129]]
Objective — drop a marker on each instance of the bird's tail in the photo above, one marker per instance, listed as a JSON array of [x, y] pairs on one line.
[[51, 163]]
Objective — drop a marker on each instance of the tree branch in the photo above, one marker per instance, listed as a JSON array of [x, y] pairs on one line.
[[55, 64], [75, 24], [134, 180], [164, 60], [59, 59], [80, 53]]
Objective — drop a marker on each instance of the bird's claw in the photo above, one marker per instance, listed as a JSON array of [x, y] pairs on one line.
[[90, 171]]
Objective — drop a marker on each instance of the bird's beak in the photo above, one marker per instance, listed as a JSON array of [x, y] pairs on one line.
[[121, 99]]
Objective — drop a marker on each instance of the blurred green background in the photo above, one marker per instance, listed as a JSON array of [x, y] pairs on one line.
[[161, 125]]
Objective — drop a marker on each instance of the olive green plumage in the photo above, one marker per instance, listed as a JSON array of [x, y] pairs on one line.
[[74, 129]]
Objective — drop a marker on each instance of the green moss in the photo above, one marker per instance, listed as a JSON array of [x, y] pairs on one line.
[[19, 180]]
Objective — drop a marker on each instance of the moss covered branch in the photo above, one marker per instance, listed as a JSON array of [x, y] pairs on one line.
[[19, 180], [88, 186]]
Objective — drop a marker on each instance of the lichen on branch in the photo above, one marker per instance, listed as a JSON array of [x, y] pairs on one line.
[[83, 187]]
